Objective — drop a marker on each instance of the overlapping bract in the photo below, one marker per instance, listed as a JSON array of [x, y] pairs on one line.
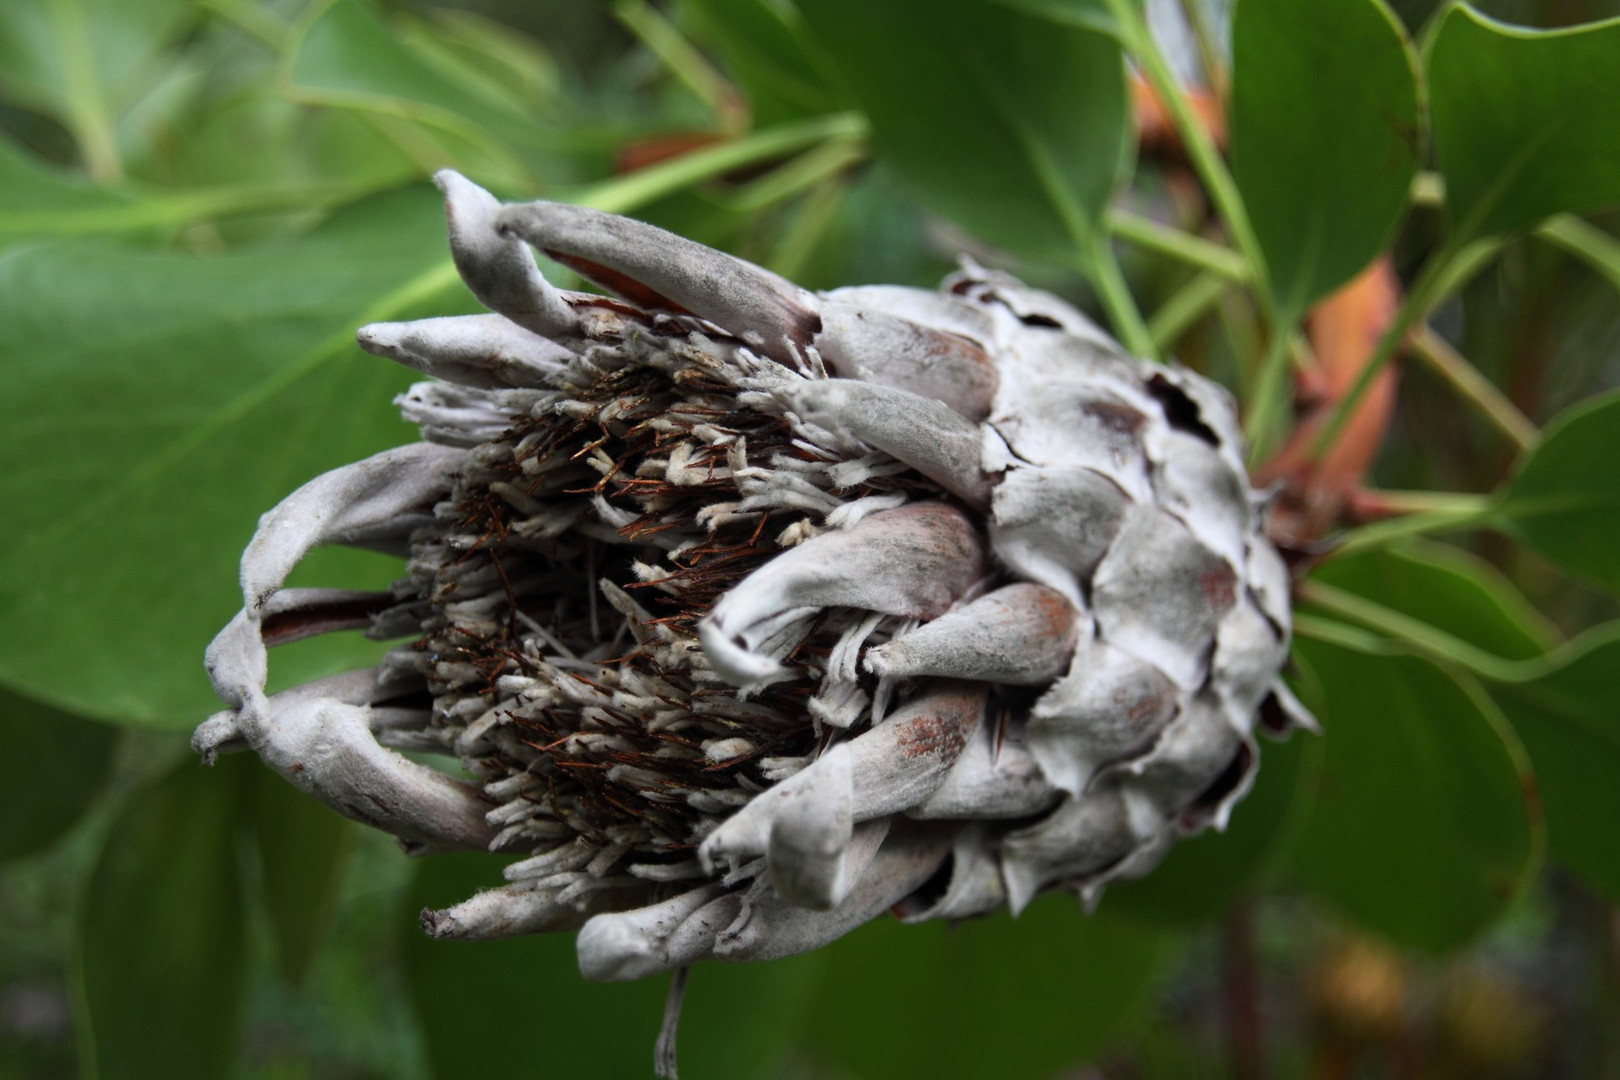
[[755, 612]]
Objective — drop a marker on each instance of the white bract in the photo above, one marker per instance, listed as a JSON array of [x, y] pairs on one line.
[[755, 613]]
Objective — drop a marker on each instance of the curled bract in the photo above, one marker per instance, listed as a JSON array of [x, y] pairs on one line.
[[753, 612]]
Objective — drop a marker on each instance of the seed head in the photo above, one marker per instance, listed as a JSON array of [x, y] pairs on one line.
[[754, 613]]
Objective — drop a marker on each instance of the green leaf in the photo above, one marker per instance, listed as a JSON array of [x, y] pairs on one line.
[[259, 140], [739, 1020], [1326, 133], [162, 939], [1447, 588], [1202, 875], [1089, 14], [1420, 830], [84, 61], [769, 52], [1563, 500], [36, 193], [1585, 241], [303, 851], [1523, 120], [156, 404], [999, 997], [1570, 723], [53, 767], [1013, 125], [344, 55], [749, 1021]]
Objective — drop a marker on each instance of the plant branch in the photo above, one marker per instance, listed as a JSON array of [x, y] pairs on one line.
[[181, 208], [1424, 637], [1473, 387], [1587, 242], [1446, 271], [1185, 307], [1266, 403], [1414, 308], [623, 193], [1459, 512], [820, 163], [1179, 244], [683, 60], [86, 107], [1384, 502], [1201, 151], [1116, 297], [1209, 54]]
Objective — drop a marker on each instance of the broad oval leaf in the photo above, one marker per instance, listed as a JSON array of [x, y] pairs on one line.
[[1523, 120], [520, 1008], [1012, 125], [1563, 499], [1569, 720], [303, 850], [162, 938], [39, 196], [53, 767], [1016, 999], [1421, 829], [1326, 132], [1450, 589], [156, 404]]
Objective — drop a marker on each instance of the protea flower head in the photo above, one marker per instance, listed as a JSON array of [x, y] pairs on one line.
[[755, 613]]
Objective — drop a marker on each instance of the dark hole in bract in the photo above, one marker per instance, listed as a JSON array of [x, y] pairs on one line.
[[1180, 410], [929, 892], [1203, 808], [1045, 321]]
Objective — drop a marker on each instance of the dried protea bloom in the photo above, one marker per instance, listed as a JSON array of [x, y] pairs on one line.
[[755, 613]]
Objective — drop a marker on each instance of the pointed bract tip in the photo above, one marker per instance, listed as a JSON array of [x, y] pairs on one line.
[[736, 664], [380, 339]]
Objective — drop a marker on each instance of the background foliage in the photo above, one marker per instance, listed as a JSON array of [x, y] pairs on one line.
[[199, 202]]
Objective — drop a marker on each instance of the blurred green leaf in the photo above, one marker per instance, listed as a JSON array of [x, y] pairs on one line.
[[1570, 723], [162, 939], [1448, 588], [1200, 877], [1585, 241], [1326, 134], [1420, 829], [344, 55], [84, 61], [1563, 499], [156, 404], [768, 51], [1090, 14], [54, 766], [1013, 125], [739, 1020], [744, 1021], [999, 997], [520, 68], [37, 193], [303, 849], [470, 996], [260, 139], [1523, 120]]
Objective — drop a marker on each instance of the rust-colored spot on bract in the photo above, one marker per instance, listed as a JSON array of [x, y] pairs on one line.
[[1219, 585]]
